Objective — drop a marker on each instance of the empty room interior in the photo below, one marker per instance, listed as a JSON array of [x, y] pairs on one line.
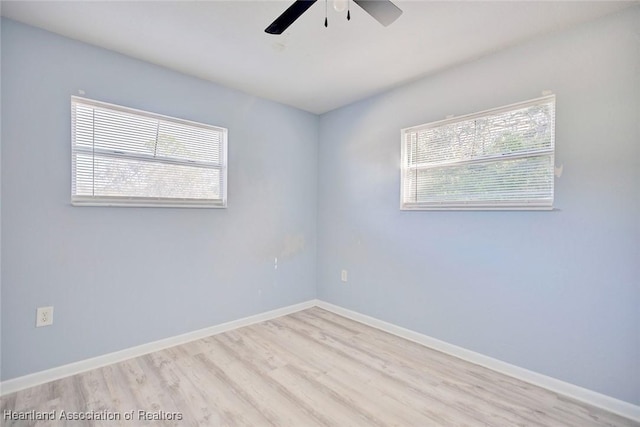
[[320, 213]]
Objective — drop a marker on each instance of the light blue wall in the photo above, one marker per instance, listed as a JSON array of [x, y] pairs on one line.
[[0, 196], [119, 277], [554, 292]]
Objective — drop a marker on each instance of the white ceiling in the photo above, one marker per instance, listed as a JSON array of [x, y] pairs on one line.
[[309, 67]]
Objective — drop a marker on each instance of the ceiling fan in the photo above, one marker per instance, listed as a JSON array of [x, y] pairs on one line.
[[383, 11]]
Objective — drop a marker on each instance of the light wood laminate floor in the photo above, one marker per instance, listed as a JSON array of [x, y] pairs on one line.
[[311, 368]]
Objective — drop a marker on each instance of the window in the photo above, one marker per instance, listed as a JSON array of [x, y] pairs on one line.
[[127, 157], [497, 159]]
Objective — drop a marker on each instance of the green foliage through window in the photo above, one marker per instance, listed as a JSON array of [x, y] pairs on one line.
[[128, 157], [502, 158]]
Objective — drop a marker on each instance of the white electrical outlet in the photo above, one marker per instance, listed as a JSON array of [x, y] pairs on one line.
[[343, 275], [44, 316]]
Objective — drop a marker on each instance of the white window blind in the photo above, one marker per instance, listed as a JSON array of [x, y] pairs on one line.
[[127, 157], [497, 159]]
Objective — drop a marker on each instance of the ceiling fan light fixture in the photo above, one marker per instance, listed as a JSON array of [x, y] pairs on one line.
[[340, 5], [383, 11]]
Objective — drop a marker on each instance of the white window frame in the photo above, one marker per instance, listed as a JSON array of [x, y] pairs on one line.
[[126, 201], [546, 204]]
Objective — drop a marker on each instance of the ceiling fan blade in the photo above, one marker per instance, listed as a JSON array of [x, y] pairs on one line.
[[382, 11], [289, 16]]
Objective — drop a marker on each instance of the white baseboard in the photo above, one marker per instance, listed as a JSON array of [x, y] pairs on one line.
[[620, 407], [599, 400], [42, 377]]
